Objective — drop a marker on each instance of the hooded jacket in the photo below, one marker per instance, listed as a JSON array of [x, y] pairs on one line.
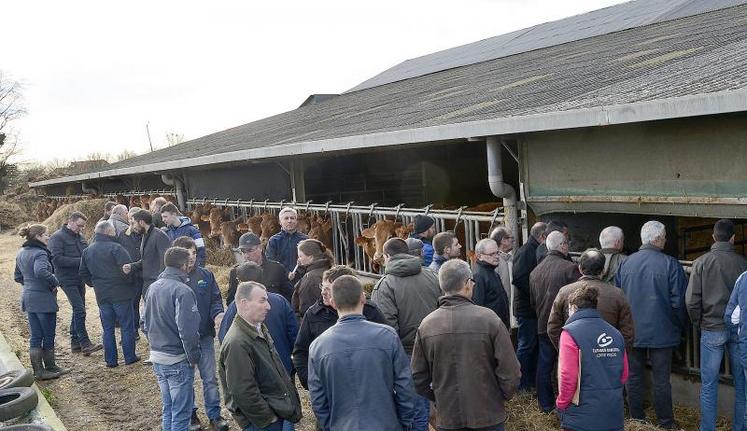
[[405, 295], [489, 291], [471, 382], [67, 247], [171, 319], [186, 228], [101, 268], [34, 270], [307, 291]]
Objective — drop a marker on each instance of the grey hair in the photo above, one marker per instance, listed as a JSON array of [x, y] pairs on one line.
[[287, 210], [120, 210], [483, 244], [132, 211], [245, 289], [452, 275], [609, 236], [555, 240], [104, 226], [653, 230]]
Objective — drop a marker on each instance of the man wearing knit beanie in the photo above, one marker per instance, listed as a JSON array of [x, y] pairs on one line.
[[424, 228]]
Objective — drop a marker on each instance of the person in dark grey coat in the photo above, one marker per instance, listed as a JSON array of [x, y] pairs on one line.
[[131, 239], [119, 219], [655, 285], [152, 250], [101, 267], [712, 280], [35, 272], [489, 291], [67, 245]]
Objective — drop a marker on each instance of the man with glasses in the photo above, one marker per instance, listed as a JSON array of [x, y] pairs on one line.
[[67, 245], [489, 291], [545, 281], [505, 240], [274, 275], [471, 335]]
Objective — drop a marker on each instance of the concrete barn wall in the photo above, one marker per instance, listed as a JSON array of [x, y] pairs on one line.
[[698, 159]]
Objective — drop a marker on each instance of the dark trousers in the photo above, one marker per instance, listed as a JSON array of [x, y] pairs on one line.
[[548, 356], [42, 327], [136, 305], [498, 427], [76, 295], [526, 351], [661, 368], [122, 312]]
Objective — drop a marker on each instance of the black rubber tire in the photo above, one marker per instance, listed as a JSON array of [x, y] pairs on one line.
[[16, 402], [28, 427], [22, 378]]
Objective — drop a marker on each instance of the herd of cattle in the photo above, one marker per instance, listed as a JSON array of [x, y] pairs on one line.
[[219, 226]]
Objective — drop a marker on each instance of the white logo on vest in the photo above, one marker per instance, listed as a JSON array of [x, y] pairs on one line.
[[604, 351], [604, 340]]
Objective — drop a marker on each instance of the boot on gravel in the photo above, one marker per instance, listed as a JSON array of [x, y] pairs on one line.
[[75, 347], [87, 350], [49, 362], [194, 422], [37, 363], [218, 424]]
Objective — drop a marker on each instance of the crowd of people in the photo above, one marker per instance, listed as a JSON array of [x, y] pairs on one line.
[[432, 344]]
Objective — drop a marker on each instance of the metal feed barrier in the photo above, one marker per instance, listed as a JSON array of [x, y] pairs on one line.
[[348, 220]]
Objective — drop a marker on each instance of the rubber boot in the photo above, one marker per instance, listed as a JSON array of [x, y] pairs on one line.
[[49, 362], [37, 363]]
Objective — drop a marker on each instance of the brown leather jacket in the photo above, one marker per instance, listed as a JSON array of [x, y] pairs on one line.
[[554, 272], [464, 361], [308, 290], [612, 305]]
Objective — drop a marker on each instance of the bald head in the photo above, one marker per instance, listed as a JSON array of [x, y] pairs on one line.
[[538, 231], [591, 262]]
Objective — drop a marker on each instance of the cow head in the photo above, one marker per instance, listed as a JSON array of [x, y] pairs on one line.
[[269, 226], [229, 234], [380, 232], [215, 217], [321, 229]]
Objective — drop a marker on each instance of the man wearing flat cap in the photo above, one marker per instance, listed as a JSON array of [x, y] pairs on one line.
[[424, 228], [274, 275]]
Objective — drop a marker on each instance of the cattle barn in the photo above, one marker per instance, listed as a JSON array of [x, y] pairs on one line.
[[629, 113]]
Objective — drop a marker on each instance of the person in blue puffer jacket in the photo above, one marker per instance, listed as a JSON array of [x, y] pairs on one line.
[[177, 225]]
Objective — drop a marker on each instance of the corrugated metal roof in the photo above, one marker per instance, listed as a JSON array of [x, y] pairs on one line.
[[537, 90], [599, 22]]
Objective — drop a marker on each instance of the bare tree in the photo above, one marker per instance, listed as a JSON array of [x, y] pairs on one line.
[[11, 108], [124, 155], [173, 138]]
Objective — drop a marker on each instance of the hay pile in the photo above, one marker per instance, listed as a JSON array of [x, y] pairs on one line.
[[524, 415], [221, 277], [91, 208], [12, 214]]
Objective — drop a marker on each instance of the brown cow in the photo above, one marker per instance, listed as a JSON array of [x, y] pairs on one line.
[[321, 229], [197, 214], [269, 226], [379, 233]]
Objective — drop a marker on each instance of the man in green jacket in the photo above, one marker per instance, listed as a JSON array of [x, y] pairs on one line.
[[257, 389]]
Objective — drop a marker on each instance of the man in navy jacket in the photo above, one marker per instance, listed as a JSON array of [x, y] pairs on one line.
[[655, 285]]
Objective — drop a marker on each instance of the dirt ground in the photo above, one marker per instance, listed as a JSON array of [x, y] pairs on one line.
[[93, 397]]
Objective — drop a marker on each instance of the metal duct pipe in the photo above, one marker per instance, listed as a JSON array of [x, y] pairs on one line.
[[499, 188], [173, 180], [89, 189]]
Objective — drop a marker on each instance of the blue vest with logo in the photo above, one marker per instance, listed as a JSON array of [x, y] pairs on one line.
[[602, 351]]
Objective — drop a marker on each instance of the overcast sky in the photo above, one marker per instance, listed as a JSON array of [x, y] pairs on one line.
[[96, 72]]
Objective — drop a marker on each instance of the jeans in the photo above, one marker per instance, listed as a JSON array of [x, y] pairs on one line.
[[526, 351], [661, 368], [712, 347], [277, 426], [42, 327], [76, 295], [499, 427], [177, 397], [121, 312], [209, 380], [548, 356], [422, 412]]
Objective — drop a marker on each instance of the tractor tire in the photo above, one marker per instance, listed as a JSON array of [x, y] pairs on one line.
[[16, 402], [22, 378]]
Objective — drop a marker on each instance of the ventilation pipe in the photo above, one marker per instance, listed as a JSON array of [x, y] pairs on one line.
[[173, 180], [89, 189], [499, 188]]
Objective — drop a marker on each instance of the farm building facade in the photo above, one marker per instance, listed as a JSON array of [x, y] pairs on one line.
[[624, 114]]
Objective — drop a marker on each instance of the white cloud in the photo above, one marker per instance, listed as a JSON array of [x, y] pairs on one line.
[[97, 71]]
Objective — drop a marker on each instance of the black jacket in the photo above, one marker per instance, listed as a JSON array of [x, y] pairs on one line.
[[274, 278], [546, 280], [131, 241], [154, 245], [319, 318], [101, 267], [489, 291], [525, 261], [67, 248]]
